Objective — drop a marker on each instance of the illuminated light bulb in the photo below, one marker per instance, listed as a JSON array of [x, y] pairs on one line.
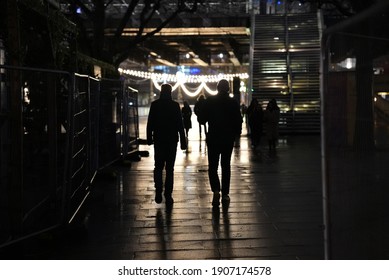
[[164, 77], [349, 63], [180, 77]]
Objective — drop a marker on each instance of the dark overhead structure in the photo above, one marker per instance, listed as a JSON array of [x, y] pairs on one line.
[[217, 34]]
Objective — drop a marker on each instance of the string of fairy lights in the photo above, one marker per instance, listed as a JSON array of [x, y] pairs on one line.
[[180, 79]]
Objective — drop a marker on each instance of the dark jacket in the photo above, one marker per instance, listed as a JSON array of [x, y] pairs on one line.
[[198, 107], [223, 116], [186, 116], [164, 123], [255, 115]]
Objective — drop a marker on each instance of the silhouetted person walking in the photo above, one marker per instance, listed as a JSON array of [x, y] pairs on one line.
[[164, 129], [222, 113], [271, 119], [243, 111], [255, 121], [186, 117], [197, 110]]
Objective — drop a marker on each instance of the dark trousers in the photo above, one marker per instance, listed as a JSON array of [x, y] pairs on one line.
[[220, 150], [164, 158], [255, 135], [205, 129]]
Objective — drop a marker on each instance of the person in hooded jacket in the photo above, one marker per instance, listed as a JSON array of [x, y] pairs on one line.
[[164, 129], [197, 110], [222, 113], [255, 121], [186, 112]]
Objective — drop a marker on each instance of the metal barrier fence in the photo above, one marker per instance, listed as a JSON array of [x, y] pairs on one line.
[[54, 128], [82, 160], [131, 118], [33, 140], [355, 136]]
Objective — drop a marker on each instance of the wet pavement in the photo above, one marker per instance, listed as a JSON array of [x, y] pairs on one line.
[[275, 210]]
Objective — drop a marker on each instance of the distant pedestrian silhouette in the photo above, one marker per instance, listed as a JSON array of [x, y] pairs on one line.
[[164, 129], [255, 122], [197, 110], [243, 111], [186, 117], [271, 119], [222, 113]]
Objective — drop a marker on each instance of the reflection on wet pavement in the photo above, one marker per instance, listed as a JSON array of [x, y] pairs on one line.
[[275, 210]]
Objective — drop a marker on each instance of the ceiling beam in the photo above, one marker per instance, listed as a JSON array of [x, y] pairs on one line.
[[200, 56], [231, 52], [186, 31], [160, 52], [197, 59]]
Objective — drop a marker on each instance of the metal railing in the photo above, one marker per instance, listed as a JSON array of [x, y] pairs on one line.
[[53, 128], [33, 136]]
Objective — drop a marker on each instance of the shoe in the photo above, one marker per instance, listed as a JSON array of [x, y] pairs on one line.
[[169, 200], [215, 199], [158, 197]]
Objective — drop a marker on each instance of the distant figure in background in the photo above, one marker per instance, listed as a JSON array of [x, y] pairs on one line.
[[186, 117], [255, 122], [222, 113], [243, 111], [164, 129], [197, 110], [271, 120]]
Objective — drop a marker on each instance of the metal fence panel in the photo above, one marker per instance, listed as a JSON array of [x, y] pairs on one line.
[[82, 162], [33, 137], [356, 137], [57, 130], [110, 125], [131, 119]]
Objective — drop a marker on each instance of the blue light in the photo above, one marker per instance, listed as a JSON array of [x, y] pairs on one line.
[[78, 10], [161, 68], [194, 71]]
